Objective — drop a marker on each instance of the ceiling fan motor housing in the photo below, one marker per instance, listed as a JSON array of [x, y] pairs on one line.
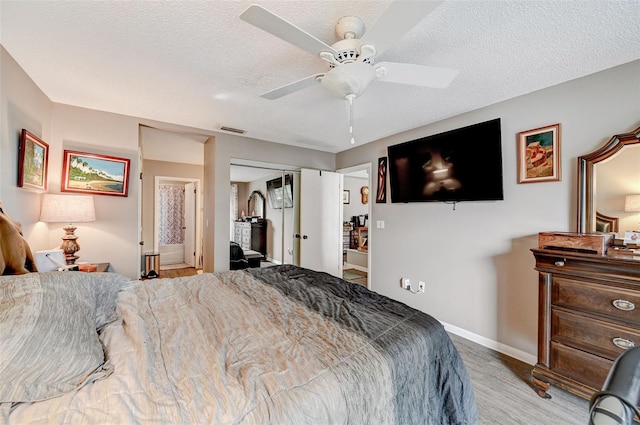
[[349, 27]]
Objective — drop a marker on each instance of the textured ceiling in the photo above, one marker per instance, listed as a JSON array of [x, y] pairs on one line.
[[197, 64]]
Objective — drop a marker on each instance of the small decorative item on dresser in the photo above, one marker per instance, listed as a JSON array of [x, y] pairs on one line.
[[587, 243]]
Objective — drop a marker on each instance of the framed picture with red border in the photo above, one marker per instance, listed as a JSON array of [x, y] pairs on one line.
[[33, 162], [95, 174]]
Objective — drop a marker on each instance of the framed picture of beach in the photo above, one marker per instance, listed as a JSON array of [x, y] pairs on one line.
[[95, 174], [33, 160]]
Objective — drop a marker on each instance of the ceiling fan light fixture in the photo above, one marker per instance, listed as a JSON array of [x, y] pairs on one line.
[[349, 78]]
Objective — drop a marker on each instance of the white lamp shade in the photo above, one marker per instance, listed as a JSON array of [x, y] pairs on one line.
[[67, 209], [632, 203]]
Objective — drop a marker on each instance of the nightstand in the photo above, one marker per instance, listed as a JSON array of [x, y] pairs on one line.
[[103, 267]]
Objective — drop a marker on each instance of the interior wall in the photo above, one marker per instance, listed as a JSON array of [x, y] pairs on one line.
[[113, 237], [355, 205], [476, 259], [22, 105]]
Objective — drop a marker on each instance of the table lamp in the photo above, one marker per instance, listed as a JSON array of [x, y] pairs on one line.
[[68, 209]]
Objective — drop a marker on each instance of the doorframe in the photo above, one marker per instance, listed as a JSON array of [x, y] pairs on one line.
[[156, 213], [367, 166]]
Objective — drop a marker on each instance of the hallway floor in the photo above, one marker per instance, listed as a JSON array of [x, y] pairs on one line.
[[355, 276]]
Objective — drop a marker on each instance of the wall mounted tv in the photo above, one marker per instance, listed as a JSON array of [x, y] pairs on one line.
[[459, 165]]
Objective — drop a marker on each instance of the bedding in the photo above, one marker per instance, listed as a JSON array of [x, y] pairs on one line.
[[278, 345], [48, 340]]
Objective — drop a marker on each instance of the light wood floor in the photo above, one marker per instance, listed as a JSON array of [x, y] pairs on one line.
[[505, 396], [187, 271], [355, 276], [502, 386]]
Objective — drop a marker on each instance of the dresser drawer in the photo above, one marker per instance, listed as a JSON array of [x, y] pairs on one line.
[[596, 336], [611, 301], [578, 365]]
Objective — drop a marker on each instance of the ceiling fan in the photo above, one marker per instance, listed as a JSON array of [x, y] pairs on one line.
[[351, 60]]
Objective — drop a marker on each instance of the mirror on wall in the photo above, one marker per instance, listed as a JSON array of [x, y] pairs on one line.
[[606, 177], [256, 204]]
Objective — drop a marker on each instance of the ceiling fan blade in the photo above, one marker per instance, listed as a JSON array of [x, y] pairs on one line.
[[292, 88], [417, 75], [396, 21], [268, 21]]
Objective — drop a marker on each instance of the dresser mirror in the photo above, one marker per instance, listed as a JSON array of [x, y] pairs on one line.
[[614, 165], [256, 204]]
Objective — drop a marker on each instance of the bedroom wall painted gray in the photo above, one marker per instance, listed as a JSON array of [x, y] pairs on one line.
[[476, 260], [22, 105]]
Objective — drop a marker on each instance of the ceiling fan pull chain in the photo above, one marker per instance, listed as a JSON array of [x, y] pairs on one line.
[[350, 98]]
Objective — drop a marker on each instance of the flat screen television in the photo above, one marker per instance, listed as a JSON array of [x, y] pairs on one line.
[[459, 165], [277, 196]]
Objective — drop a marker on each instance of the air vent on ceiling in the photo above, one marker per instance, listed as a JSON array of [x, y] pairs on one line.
[[232, 130]]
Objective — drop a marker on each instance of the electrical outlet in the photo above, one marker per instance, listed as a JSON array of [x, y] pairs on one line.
[[421, 285], [406, 283]]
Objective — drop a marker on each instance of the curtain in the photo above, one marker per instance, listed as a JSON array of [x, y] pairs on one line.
[[233, 205], [171, 214]]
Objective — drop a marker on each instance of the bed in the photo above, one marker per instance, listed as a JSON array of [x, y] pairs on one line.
[[276, 345]]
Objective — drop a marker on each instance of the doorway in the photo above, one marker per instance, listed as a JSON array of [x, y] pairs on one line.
[[160, 158], [176, 229], [356, 241]]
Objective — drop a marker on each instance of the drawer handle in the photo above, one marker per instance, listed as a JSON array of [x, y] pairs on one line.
[[623, 305], [625, 344], [559, 263]]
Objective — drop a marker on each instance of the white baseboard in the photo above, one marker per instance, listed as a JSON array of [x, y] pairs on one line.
[[353, 266], [494, 345]]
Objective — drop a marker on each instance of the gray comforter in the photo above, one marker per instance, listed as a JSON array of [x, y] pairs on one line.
[[282, 345], [428, 383]]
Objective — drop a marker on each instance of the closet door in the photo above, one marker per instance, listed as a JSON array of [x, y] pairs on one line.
[[320, 221]]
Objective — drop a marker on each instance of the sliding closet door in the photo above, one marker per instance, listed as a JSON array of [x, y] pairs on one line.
[[320, 218]]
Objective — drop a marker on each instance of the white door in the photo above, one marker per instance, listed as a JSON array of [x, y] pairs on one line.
[[190, 224], [320, 210]]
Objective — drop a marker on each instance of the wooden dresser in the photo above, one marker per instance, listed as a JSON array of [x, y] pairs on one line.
[[588, 313], [251, 235]]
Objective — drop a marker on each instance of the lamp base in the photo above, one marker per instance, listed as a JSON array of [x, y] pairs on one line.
[[69, 245]]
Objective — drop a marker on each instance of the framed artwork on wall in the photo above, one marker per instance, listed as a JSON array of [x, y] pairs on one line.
[[539, 154], [95, 174], [381, 194], [33, 162], [346, 196]]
